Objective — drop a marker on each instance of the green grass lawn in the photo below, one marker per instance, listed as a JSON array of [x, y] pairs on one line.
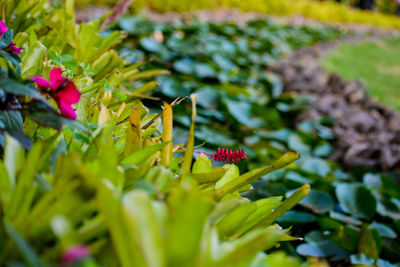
[[377, 64]]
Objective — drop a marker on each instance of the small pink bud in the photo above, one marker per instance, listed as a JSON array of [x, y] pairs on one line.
[[74, 254]]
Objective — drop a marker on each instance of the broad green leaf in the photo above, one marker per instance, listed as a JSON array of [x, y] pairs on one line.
[[318, 201], [5, 39], [185, 228], [5, 186], [214, 175], [325, 248], [140, 156], [13, 124], [33, 59], [264, 207], [224, 207], [102, 137], [14, 157], [230, 223], [111, 209], [202, 165], [231, 174], [366, 243], [20, 202], [384, 230], [248, 245], [139, 214], [356, 200], [295, 217]]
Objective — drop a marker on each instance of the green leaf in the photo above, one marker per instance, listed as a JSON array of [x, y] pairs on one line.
[[14, 59], [14, 158], [25, 182], [5, 186], [318, 201], [253, 175], [214, 175], [25, 249], [140, 156], [203, 70], [293, 216], [249, 245], [142, 219], [33, 59], [361, 259], [346, 238], [366, 243], [202, 165], [15, 88], [111, 210], [285, 206], [229, 223], [185, 228], [315, 165], [356, 200], [295, 143], [188, 157], [384, 230], [241, 111], [231, 174], [325, 248], [6, 39], [185, 66], [264, 207]]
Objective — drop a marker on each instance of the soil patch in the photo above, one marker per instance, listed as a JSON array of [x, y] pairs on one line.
[[366, 132]]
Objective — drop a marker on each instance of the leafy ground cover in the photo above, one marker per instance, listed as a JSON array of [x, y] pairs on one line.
[[347, 217], [375, 63]]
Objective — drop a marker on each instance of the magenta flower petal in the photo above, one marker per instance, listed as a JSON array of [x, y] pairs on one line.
[[3, 27], [69, 94], [56, 78], [41, 82], [75, 253], [13, 49], [63, 91], [66, 110]]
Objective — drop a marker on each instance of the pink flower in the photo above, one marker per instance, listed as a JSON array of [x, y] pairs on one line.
[[74, 254], [3, 28], [11, 48], [62, 90]]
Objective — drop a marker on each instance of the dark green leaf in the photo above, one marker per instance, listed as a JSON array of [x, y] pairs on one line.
[[319, 202], [15, 88], [356, 200], [6, 39]]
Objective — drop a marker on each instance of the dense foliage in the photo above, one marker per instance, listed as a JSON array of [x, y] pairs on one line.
[[347, 217], [108, 190]]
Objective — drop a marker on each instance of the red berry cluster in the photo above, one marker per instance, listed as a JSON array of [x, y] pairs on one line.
[[229, 155]]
